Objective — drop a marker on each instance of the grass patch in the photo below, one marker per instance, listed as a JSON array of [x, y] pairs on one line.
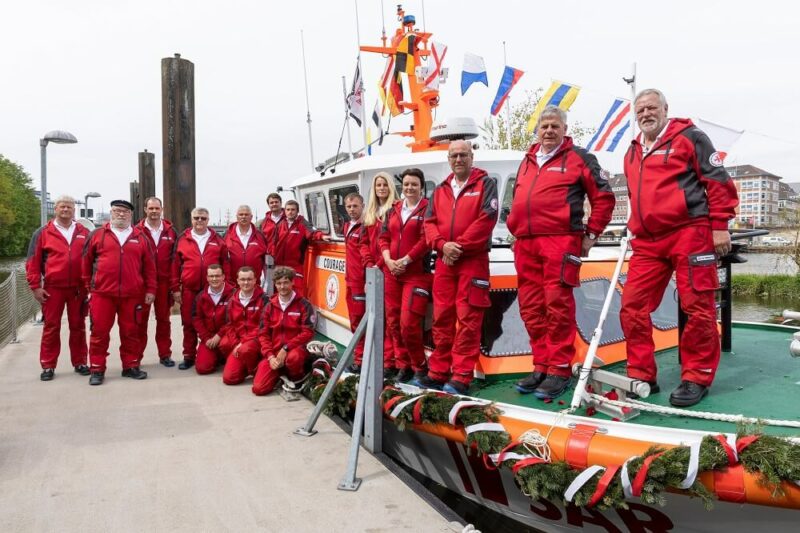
[[766, 285]]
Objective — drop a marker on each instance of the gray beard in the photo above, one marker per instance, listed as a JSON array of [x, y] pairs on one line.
[[120, 224]]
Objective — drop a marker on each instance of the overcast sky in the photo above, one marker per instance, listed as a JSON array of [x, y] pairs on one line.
[[92, 67]]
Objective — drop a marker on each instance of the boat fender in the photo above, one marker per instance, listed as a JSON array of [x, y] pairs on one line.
[[729, 484], [576, 453]]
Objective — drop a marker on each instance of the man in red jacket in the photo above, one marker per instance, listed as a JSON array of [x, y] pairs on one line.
[[53, 271], [274, 217], [197, 247], [681, 199], [162, 239], [355, 273], [292, 237], [119, 270], [458, 225], [246, 245], [239, 342], [546, 218], [208, 318], [287, 325]]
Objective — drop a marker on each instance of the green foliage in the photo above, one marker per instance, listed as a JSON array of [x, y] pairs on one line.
[[19, 209], [495, 132], [772, 285]]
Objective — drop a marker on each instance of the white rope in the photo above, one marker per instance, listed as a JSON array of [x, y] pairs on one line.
[[581, 480], [705, 415], [485, 426], [536, 444]]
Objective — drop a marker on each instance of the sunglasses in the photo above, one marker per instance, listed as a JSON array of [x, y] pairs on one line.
[[199, 218]]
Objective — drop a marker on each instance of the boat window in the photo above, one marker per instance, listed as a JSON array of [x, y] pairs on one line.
[[338, 211], [589, 298], [429, 187], [317, 212], [666, 315], [508, 195]]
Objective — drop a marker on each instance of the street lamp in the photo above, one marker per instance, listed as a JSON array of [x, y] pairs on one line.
[[86, 200], [58, 137]]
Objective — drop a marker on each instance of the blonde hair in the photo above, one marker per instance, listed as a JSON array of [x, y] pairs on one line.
[[375, 211]]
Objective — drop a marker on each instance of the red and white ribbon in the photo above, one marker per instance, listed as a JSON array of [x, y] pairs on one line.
[[625, 479], [459, 406], [694, 463], [581, 480], [485, 426], [498, 458], [402, 405]]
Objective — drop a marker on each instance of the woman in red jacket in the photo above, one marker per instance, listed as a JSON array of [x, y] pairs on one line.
[[407, 277], [382, 196]]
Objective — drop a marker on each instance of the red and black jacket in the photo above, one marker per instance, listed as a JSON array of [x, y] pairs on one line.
[[239, 256], [189, 266], [164, 248], [242, 322], [209, 317], [467, 220], [290, 242], [680, 182], [269, 227], [126, 270], [354, 273], [549, 200], [286, 329], [407, 238], [370, 246], [52, 258]]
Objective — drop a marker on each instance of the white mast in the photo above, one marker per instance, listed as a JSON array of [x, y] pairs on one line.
[[308, 107], [363, 92], [347, 117], [632, 84]]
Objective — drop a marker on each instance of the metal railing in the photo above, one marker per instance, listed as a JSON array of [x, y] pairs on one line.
[[16, 305]]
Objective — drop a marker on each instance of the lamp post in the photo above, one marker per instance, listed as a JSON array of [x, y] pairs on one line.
[[86, 200], [58, 137]]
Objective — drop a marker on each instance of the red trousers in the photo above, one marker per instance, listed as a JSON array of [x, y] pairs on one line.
[[237, 368], [266, 378], [356, 308], [162, 305], [52, 310], [548, 267], [460, 296], [208, 360], [689, 252], [406, 305], [102, 311], [189, 333]]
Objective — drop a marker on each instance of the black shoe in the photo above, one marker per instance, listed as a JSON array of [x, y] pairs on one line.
[[47, 374], [97, 378], [354, 368], [405, 375], [389, 373], [186, 364], [528, 384], [426, 382], [167, 362], [654, 388], [688, 393], [134, 373], [455, 387], [83, 370], [552, 387]]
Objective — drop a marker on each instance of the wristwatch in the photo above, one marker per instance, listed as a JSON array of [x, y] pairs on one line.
[[591, 235]]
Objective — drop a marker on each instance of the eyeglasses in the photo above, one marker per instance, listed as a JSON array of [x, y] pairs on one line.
[[459, 156], [199, 218]]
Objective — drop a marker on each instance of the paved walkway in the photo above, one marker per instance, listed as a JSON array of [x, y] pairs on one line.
[[177, 452]]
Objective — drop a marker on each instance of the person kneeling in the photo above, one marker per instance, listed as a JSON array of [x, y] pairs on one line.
[[286, 326], [208, 317], [240, 339]]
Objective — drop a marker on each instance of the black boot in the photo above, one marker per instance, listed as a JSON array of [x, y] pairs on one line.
[[528, 384], [47, 374], [186, 364], [97, 378], [552, 387], [687, 394], [134, 373], [405, 375], [167, 361]]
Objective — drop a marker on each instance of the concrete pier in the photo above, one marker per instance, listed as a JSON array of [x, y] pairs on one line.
[[177, 452]]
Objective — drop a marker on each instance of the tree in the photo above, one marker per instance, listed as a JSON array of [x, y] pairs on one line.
[[495, 134], [19, 209], [790, 218]]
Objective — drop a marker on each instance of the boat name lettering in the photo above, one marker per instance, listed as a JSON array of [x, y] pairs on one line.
[[332, 264]]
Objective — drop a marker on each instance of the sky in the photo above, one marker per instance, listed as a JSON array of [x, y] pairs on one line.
[[93, 68]]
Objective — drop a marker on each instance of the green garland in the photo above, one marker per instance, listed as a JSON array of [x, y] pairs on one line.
[[773, 459]]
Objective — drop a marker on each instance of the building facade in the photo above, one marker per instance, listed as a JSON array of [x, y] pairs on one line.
[[759, 193]]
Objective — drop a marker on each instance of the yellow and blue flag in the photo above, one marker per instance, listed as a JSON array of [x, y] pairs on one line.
[[559, 94]]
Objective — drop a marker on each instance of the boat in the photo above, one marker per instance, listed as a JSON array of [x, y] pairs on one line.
[[613, 463]]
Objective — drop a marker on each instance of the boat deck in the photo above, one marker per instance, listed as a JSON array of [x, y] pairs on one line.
[[758, 379]]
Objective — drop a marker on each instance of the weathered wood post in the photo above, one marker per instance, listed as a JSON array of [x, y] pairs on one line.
[[135, 200], [147, 178], [177, 120]]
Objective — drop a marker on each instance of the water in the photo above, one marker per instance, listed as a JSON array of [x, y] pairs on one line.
[[766, 264]]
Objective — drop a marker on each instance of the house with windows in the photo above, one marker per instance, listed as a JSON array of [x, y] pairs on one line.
[[759, 194]]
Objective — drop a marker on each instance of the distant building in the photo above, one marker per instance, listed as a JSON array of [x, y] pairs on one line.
[[51, 207], [620, 187], [788, 205], [759, 193]]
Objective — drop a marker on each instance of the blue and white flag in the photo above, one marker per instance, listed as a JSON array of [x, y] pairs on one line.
[[474, 71]]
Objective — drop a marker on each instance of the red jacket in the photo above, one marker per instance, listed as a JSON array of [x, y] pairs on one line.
[[189, 266], [354, 273], [241, 323], [125, 271], [680, 182], [290, 242], [50, 256], [549, 200], [467, 220], [290, 329], [239, 256], [208, 317], [406, 238], [369, 246], [164, 248], [268, 227]]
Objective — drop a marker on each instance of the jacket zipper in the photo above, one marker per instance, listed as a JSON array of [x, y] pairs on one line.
[[455, 204], [641, 179]]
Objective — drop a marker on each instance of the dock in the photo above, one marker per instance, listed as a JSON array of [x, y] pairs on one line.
[[178, 452]]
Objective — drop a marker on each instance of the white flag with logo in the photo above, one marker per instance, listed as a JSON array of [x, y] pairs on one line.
[[722, 137]]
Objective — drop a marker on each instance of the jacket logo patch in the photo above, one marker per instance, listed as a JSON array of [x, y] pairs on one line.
[[556, 169], [293, 313], [213, 244], [80, 236], [476, 193], [661, 152], [715, 159], [134, 241], [295, 232], [493, 204]]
